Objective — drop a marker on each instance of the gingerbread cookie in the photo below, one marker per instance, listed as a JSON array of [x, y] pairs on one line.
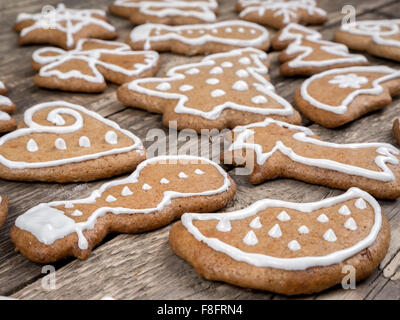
[[279, 13], [3, 209], [63, 142], [86, 68], [286, 247], [338, 96], [396, 129], [306, 53], [378, 37], [63, 27], [158, 192], [273, 149], [6, 106], [222, 91], [199, 38], [172, 12]]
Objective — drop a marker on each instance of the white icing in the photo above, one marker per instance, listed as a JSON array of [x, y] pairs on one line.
[[224, 225], [294, 245], [126, 191], [84, 142], [163, 86], [344, 210], [244, 60], [240, 85], [227, 64], [212, 81], [217, 93], [330, 235], [216, 70], [241, 73], [259, 99], [350, 224], [182, 175], [255, 223], [228, 30], [4, 101], [164, 181], [32, 146], [198, 171], [303, 230], [60, 144], [146, 187], [111, 198], [283, 216], [360, 204], [386, 153], [193, 71], [250, 238], [298, 263], [3, 115], [185, 88], [111, 137], [56, 119], [350, 80], [68, 205], [77, 213], [323, 218], [48, 224], [275, 231]]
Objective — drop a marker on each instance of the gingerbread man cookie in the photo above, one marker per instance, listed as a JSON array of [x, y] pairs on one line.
[[86, 68], [158, 192], [378, 37], [273, 149], [286, 247], [3, 209], [338, 96], [63, 142], [279, 13], [199, 38], [63, 27], [172, 12], [6, 106], [306, 53], [222, 91]]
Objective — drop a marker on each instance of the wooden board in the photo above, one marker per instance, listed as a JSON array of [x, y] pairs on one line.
[[143, 266]]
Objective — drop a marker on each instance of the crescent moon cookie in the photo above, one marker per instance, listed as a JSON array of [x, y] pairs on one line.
[[199, 38], [378, 37], [3, 209], [221, 91], [64, 142], [305, 53], [279, 13], [286, 247], [272, 149], [6, 106], [171, 12], [159, 191], [338, 96], [86, 68], [63, 27]]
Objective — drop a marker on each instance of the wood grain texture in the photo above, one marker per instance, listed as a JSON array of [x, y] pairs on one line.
[[142, 266]]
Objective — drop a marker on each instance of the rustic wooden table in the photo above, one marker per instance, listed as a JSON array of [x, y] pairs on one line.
[[142, 266]]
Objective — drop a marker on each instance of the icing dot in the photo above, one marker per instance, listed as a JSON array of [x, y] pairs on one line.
[[56, 119], [344, 210], [250, 238], [252, 31], [255, 223], [224, 225], [185, 87], [163, 86], [146, 187], [214, 30], [216, 70], [350, 224], [227, 64], [32, 146], [190, 31], [111, 137], [60, 144], [259, 99], [283, 216], [360, 204], [76, 213], [68, 205], [192, 71], [110, 198], [198, 171], [275, 231], [202, 31], [84, 142], [241, 30], [126, 192], [330, 236], [229, 30], [241, 73], [182, 175], [139, 65], [217, 93], [323, 218], [240, 85], [212, 81], [164, 181], [294, 245], [244, 60], [303, 230], [3, 115]]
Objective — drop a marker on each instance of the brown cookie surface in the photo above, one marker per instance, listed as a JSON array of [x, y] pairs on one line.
[[338, 96], [159, 191], [272, 149], [199, 39], [63, 142], [90, 64], [175, 12], [3, 209], [306, 53], [63, 27], [284, 247], [6, 106], [222, 91], [378, 37]]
